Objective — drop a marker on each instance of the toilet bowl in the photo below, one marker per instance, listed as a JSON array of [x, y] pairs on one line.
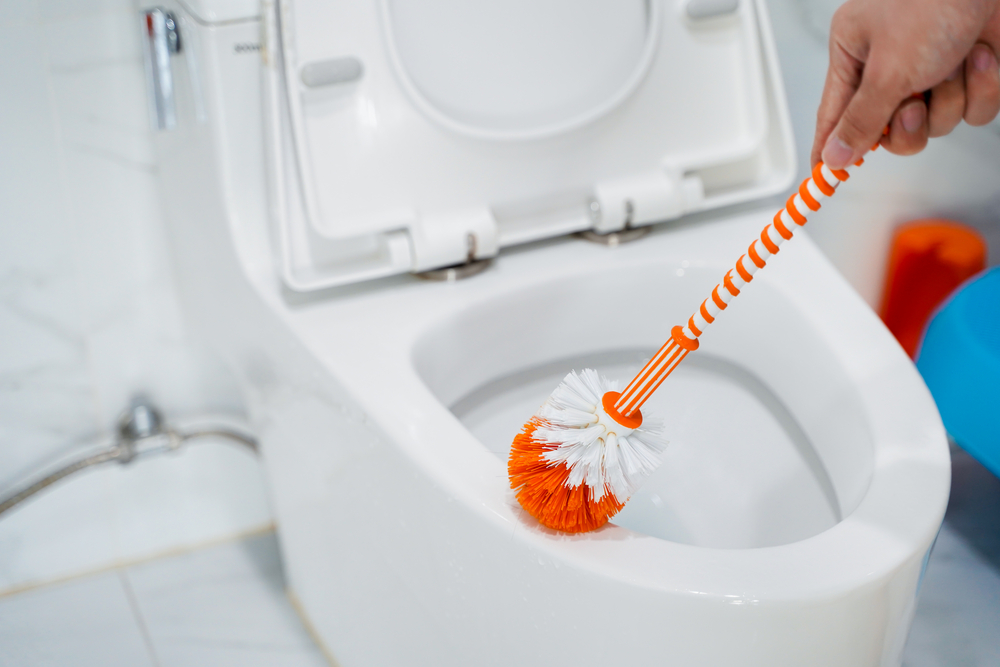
[[790, 528]]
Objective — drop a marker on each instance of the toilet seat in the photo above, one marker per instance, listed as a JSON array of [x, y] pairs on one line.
[[507, 85], [369, 178]]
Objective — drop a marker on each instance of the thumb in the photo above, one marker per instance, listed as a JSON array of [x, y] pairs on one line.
[[842, 80], [860, 126]]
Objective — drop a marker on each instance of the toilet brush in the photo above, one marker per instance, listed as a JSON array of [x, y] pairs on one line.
[[588, 448]]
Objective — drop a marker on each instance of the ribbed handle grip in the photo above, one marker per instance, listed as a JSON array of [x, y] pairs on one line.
[[822, 184]]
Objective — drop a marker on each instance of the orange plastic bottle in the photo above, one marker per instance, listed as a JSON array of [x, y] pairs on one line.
[[929, 259]]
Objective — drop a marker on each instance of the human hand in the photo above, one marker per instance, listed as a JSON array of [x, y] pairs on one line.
[[884, 51]]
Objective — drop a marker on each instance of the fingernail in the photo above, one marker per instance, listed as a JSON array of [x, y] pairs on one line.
[[837, 154], [954, 74], [912, 117], [983, 59]]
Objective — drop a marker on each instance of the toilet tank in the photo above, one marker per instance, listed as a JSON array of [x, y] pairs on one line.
[[211, 165]]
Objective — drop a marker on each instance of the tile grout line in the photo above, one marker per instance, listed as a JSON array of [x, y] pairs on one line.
[[140, 621], [310, 628], [138, 560]]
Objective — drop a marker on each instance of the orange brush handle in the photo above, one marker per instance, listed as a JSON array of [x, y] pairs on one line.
[[821, 184]]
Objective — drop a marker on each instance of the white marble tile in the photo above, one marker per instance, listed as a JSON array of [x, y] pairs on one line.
[[62, 10], [44, 413], [38, 341], [211, 489], [103, 112], [30, 169], [93, 39], [136, 338], [113, 513], [222, 606], [14, 12], [46, 400], [84, 623], [88, 311], [130, 355], [112, 204], [64, 531]]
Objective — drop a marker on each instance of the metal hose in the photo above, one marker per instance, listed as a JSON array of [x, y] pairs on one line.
[[109, 454], [141, 432]]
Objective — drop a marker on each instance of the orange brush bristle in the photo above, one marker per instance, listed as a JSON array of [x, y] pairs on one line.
[[543, 490], [577, 460]]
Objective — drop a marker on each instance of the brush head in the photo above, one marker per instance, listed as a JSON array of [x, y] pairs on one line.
[[577, 460]]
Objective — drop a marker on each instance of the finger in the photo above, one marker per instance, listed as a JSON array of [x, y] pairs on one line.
[[842, 80], [909, 129], [982, 85], [947, 104], [862, 122], [848, 49]]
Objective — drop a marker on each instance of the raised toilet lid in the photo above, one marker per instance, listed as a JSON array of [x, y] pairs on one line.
[[409, 136]]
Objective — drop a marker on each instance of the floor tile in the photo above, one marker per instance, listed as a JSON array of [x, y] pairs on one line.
[[81, 623], [958, 614], [222, 606]]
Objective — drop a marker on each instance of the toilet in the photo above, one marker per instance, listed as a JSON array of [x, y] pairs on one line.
[[581, 174]]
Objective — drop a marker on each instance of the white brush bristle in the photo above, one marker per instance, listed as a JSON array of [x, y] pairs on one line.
[[608, 463]]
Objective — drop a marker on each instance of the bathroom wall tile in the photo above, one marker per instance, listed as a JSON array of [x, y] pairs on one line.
[[212, 489], [88, 311], [136, 354], [31, 207], [63, 10], [67, 530], [18, 12], [135, 334], [113, 204], [93, 39], [136, 339], [84, 623], [103, 112], [38, 341], [46, 400], [222, 606], [45, 411], [113, 514]]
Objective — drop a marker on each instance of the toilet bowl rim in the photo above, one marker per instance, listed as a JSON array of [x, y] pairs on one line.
[[860, 541]]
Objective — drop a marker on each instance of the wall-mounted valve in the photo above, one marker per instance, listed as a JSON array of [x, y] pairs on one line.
[[161, 39]]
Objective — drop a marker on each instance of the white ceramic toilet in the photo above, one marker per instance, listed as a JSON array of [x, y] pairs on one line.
[[324, 152]]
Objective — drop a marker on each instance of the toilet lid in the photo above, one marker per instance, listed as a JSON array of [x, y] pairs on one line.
[[407, 136]]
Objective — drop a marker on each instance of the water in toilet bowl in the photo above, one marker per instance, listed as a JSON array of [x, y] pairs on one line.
[[751, 479]]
